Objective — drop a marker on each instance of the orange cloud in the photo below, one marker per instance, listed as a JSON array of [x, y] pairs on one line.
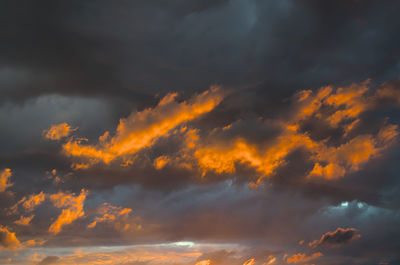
[[109, 213], [271, 261], [72, 209], [249, 262], [58, 131], [33, 201], [142, 129], [160, 162], [24, 221], [8, 240], [330, 162], [29, 203], [302, 257], [5, 175], [204, 262]]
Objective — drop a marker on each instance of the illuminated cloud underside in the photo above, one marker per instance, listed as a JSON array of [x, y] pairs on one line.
[[340, 108]]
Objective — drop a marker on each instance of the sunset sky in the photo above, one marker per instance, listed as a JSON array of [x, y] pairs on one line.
[[199, 132]]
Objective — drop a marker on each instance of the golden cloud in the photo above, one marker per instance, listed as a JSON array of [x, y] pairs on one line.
[[24, 220], [8, 240], [339, 108], [58, 131], [29, 204], [249, 262], [142, 129], [109, 213], [302, 257], [5, 176], [72, 209]]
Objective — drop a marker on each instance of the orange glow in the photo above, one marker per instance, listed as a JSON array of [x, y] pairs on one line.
[[142, 129], [144, 255], [302, 257], [5, 175], [58, 131], [73, 209]]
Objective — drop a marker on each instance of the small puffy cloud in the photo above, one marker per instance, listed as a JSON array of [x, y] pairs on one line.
[[302, 257], [5, 176], [58, 131], [24, 220], [336, 238], [109, 213], [33, 201], [72, 209], [29, 203], [49, 260], [8, 240]]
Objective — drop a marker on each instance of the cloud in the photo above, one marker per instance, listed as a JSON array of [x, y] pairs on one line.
[[249, 262], [140, 255], [72, 209], [24, 220], [204, 262], [142, 129], [30, 203], [49, 260], [8, 240], [339, 108], [58, 131], [109, 213], [271, 261], [302, 257], [5, 175], [336, 238]]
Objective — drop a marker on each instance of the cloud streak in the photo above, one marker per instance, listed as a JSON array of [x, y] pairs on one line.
[[142, 129]]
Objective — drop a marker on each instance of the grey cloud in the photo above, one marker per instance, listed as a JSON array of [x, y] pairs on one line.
[[49, 260]]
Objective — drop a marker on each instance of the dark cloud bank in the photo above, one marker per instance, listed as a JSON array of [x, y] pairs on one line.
[[91, 63]]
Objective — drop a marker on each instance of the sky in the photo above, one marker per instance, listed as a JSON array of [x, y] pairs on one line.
[[199, 132]]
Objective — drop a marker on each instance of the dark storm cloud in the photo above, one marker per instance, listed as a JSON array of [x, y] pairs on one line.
[[91, 63], [133, 49], [264, 50]]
